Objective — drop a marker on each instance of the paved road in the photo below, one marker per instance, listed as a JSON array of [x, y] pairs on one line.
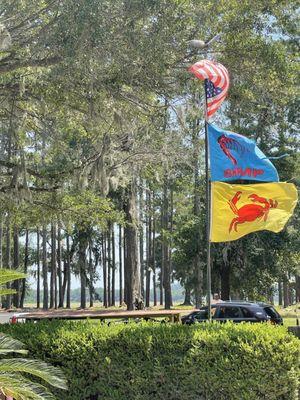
[[4, 317]]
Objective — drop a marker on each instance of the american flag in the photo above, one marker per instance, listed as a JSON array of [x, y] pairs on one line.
[[216, 83]]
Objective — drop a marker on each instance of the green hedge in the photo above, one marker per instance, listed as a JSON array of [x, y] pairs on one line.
[[167, 362]]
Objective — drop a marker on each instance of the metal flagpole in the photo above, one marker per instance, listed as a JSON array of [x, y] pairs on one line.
[[208, 205]]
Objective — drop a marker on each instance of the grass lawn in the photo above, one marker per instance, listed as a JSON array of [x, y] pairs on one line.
[[290, 314], [289, 321]]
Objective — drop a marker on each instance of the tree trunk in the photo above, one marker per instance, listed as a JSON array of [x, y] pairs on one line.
[[109, 265], [125, 296], [53, 278], [38, 263], [225, 281], [1, 241], [16, 283], [68, 299], [280, 293], [161, 275], [10, 136], [166, 249], [113, 277], [7, 260], [197, 212], [104, 264], [187, 296], [26, 257], [91, 273], [285, 292], [297, 279], [199, 280], [45, 268], [65, 276], [7, 302], [170, 266], [83, 244], [290, 295], [132, 260], [120, 267], [153, 256], [141, 237], [148, 249], [59, 269]]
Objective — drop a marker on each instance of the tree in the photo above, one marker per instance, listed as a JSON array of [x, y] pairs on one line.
[[96, 100]]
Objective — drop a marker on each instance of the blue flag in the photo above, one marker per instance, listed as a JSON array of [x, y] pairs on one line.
[[233, 157]]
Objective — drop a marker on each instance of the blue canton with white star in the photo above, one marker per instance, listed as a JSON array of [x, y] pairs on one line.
[[211, 90]]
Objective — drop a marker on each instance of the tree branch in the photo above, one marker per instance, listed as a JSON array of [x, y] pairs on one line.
[[9, 164], [5, 189], [45, 62]]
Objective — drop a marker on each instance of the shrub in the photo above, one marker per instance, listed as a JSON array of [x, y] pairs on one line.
[[162, 361]]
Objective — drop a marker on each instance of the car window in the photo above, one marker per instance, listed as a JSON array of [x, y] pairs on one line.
[[202, 314], [229, 312], [194, 314], [271, 312], [246, 312], [213, 310]]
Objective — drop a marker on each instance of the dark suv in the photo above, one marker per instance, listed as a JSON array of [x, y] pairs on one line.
[[236, 311]]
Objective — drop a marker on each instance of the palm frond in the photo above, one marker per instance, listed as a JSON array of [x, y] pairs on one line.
[[20, 388], [4, 292], [52, 375], [12, 382], [8, 275], [10, 345]]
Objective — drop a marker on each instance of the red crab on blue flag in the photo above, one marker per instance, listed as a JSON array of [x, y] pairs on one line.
[[235, 157]]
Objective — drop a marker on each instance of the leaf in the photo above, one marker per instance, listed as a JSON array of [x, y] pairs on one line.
[[20, 388], [4, 292], [7, 275], [10, 345], [53, 376]]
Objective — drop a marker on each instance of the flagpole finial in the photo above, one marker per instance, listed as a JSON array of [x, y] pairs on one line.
[[197, 44], [201, 44]]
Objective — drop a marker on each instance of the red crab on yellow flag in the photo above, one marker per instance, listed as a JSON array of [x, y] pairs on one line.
[[241, 209], [250, 212]]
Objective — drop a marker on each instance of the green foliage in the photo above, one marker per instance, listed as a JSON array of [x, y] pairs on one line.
[[87, 208], [186, 245], [147, 361]]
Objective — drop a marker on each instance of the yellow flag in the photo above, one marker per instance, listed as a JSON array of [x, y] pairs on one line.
[[237, 210]]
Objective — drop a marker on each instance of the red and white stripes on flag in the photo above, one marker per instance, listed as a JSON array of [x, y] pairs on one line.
[[216, 79]]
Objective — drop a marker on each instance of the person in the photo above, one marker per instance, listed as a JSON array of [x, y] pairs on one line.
[[216, 298]]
